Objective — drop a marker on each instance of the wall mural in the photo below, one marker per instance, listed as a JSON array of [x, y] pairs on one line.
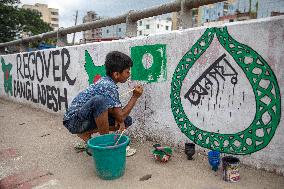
[[7, 77], [32, 69], [261, 129], [94, 72], [149, 63]]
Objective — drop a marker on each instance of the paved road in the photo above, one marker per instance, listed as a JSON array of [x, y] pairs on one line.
[[36, 151]]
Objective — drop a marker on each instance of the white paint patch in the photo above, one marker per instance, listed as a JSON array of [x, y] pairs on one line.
[[147, 60], [49, 185]]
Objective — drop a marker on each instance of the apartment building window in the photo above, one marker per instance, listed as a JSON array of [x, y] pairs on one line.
[[158, 26], [140, 23], [54, 13], [107, 31], [119, 29], [147, 26], [167, 27], [54, 19], [140, 32]]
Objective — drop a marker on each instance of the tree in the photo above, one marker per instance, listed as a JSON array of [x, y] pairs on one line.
[[15, 20], [9, 24]]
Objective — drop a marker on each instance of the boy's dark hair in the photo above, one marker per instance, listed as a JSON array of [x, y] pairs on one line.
[[117, 62]]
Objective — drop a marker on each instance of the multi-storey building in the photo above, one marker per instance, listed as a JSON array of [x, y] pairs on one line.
[[270, 8], [48, 15], [176, 21], [114, 32], [232, 10], [153, 25], [212, 12], [93, 34]]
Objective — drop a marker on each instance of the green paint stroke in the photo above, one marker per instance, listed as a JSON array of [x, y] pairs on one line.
[[7, 77], [149, 63], [247, 141], [94, 72]]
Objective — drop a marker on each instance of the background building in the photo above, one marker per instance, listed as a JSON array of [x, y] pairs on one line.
[[232, 10], [114, 32], [153, 25], [208, 15], [48, 15], [270, 8], [93, 34], [175, 20]]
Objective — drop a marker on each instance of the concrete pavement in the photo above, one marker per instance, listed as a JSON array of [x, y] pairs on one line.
[[36, 151]]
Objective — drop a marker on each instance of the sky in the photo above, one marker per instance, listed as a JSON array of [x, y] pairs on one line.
[[104, 8]]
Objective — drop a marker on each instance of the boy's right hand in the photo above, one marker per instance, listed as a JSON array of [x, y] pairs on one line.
[[138, 90]]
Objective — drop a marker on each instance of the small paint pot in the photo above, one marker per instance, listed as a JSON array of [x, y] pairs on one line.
[[214, 159], [230, 167], [189, 150]]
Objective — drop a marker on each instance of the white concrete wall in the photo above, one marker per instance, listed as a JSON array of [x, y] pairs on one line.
[[226, 110]]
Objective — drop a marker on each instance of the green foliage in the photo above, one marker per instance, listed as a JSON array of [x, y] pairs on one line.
[[10, 2], [31, 22], [9, 23], [15, 20]]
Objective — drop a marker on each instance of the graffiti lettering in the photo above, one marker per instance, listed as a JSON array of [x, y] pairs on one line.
[[197, 90], [55, 67], [65, 66], [35, 67], [29, 64], [46, 95]]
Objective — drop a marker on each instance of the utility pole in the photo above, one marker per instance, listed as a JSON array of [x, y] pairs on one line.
[[76, 16]]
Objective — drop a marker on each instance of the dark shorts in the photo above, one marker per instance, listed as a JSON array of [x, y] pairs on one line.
[[84, 119]]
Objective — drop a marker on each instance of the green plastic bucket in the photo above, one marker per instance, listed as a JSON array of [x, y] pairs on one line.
[[109, 159]]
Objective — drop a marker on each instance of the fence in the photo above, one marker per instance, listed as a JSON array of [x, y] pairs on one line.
[[130, 18]]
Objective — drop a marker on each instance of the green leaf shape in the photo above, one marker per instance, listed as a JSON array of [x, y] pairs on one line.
[[91, 69], [246, 141], [7, 77]]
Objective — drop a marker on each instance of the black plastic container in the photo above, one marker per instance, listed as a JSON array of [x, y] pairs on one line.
[[189, 150]]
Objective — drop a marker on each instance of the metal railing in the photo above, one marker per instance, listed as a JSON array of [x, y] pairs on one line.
[[130, 18]]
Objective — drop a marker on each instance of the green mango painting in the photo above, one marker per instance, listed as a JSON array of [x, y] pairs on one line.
[[236, 67], [7, 77]]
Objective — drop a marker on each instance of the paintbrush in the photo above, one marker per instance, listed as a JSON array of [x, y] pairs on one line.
[[119, 137], [123, 94]]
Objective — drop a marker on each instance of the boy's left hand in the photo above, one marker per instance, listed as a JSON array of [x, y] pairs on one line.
[[119, 125]]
